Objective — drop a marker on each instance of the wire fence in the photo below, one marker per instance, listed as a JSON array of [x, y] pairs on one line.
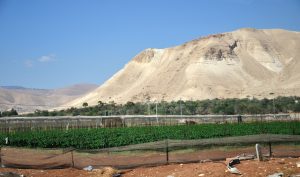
[[19, 124], [152, 154]]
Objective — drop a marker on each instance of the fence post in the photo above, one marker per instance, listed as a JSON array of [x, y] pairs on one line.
[[67, 126], [72, 156], [1, 157], [270, 149], [167, 151]]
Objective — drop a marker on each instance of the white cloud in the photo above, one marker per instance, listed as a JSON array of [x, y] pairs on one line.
[[46, 58], [43, 59], [29, 63]]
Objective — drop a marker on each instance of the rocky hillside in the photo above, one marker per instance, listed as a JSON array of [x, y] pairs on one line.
[[28, 100], [238, 64]]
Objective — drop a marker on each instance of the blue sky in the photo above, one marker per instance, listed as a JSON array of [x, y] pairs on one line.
[[55, 43]]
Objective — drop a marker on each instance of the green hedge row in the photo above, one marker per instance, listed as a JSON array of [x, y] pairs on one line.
[[112, 137]]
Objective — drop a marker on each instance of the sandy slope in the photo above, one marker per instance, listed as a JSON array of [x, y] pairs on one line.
[[243, 63], [28, 100]]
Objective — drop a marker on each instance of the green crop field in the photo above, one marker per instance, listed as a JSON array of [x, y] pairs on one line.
[[113, 137]]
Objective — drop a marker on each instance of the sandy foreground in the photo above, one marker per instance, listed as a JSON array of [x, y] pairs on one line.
[[288, 166]]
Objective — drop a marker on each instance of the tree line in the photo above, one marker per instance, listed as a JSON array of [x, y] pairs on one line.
[[9, 113], [188, 107]]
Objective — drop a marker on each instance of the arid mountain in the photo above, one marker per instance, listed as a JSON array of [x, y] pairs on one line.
[[243, 63], [28, 100]]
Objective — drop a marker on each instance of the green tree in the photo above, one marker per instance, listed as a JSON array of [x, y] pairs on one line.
[[12, 112], [54, 113], [100, 104], [75, 113], [85, 104], [45, 113], [296, 106]]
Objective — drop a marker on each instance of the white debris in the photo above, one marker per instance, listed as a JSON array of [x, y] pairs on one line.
[[276, 175], [233, 170], [258, 152], [88, 168]]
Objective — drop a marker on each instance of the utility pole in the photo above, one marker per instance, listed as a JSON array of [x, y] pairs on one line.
[[273, 104], [180, 108], [148, 108], [156, 112], [156, 108], [294, 93]]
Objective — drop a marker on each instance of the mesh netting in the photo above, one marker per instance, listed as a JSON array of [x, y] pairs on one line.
[[152, 154], [19, 124]]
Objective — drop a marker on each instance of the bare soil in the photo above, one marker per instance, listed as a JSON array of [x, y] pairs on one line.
[[248, 168], [28, 158]]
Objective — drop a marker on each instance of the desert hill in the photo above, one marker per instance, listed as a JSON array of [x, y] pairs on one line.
[[243, 63], [28, 100]]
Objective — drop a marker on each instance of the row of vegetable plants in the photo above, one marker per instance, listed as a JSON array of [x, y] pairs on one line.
[[114, 137]]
